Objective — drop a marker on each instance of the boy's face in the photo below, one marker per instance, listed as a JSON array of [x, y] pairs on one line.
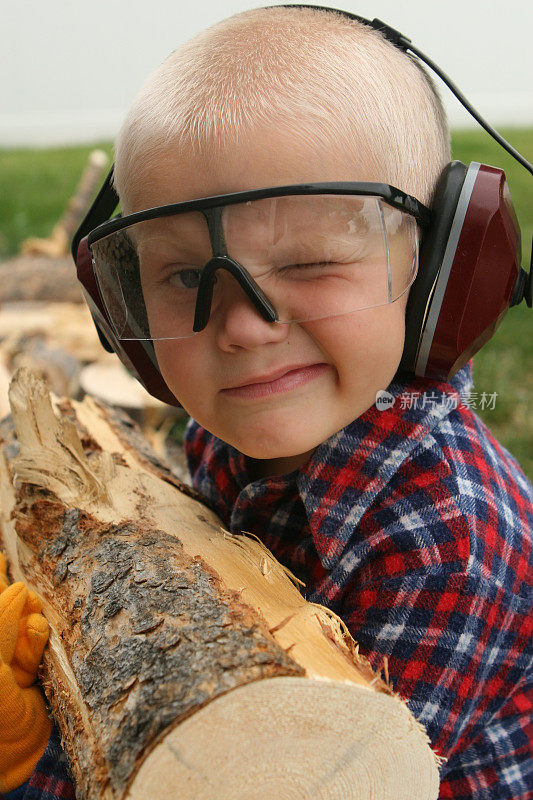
[[358, 353]]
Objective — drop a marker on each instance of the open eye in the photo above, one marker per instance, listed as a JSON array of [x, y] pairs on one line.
[[186, 278]]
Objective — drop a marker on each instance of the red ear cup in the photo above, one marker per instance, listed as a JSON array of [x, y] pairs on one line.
[[137, 356], [432, 248], [469, 265]]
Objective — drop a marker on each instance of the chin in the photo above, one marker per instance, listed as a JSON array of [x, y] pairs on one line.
[[276, 445], [263, 451]]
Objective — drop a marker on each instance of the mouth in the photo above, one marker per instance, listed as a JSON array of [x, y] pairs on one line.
[[272, 376], [282, 380]]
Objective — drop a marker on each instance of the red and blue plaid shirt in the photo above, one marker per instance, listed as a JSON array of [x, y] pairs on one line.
[[414, 525]]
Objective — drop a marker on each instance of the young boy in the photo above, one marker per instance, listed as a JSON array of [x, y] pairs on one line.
[[411, 522]]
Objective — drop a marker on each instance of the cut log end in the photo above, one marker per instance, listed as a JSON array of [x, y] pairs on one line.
[[293, 738]]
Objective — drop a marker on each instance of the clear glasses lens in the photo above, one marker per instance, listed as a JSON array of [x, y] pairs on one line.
[[314, 256]]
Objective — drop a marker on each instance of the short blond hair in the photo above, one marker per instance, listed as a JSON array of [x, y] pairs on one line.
[[325, 78]]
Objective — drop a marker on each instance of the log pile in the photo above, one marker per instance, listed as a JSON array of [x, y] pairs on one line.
[[59, 341], [41, 279], [183, 660], [45, 325]]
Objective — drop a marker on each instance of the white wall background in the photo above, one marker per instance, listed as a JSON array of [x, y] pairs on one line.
[[70, 68]]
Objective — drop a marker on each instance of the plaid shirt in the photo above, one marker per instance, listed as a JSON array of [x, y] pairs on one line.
[[414, 525], [51, 778]]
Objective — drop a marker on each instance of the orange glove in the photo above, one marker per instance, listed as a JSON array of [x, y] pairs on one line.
[[25, 726]]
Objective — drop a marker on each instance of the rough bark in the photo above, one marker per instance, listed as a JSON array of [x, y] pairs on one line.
[[183, 660]]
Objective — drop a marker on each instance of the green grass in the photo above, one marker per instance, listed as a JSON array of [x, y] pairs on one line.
[[35, 185]]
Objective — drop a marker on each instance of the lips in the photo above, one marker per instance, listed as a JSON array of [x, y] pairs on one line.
[[291, 379], [270, 377]]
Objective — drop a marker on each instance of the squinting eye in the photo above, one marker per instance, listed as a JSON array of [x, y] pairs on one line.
[[308, 266]]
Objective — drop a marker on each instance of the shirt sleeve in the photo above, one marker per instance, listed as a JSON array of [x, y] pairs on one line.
[[459, 651], [16, 794], [51, 779]]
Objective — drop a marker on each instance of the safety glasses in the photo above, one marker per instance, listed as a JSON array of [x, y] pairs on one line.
[[297, 253]]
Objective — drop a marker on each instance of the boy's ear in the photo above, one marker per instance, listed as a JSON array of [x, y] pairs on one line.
[[469, 268]]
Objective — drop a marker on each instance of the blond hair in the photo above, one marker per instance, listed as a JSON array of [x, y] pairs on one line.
[[326, 79]]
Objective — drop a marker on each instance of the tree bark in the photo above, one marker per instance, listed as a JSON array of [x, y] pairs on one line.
[[183, 661]]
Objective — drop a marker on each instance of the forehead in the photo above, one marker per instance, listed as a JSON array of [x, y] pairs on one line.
[[265, 157]]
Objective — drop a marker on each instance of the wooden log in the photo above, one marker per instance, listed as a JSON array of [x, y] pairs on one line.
[[54, 339], [65, 325], [59, 341], [183, 661], [39, 278], [57, 244], [5, 377]]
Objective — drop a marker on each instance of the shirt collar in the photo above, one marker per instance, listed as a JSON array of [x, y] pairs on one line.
[[346, 472]]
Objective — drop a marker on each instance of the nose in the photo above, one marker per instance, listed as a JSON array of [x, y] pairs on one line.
[[245, 316], [242, 276]]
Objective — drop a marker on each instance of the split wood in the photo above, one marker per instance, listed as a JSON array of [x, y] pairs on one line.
[[183, 660]]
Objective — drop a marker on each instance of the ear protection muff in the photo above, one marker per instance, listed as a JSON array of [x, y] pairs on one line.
[[138, 356], [469, 271]]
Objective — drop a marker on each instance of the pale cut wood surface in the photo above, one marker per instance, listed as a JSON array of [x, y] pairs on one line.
[[179, 650], [290, 739]]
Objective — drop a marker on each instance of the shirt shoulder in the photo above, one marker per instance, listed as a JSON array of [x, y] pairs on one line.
[[459, 504]]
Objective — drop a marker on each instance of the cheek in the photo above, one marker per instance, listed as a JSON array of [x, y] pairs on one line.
[[379, 351], [182, 368], [366, 347], [385, 333]]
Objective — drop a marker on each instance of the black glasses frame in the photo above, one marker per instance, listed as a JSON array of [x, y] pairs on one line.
[[390, 194]]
